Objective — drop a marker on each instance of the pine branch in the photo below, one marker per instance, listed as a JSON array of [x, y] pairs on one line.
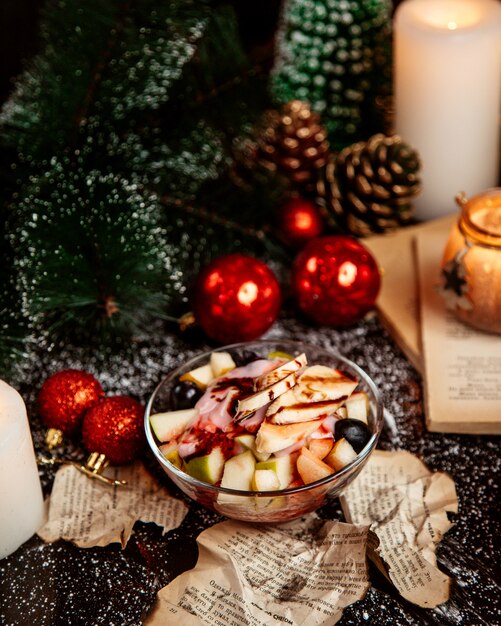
[[90, 253], [117, 259]]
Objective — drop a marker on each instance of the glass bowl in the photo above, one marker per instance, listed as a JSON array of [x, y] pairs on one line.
[[267, 506]]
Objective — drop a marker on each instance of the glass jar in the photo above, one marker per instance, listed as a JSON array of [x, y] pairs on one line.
[[471, 264]]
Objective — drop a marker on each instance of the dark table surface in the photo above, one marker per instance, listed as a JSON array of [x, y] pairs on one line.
[[60, 584]]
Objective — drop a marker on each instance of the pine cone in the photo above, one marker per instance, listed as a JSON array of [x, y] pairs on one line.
[[368, 187], [293, 143]]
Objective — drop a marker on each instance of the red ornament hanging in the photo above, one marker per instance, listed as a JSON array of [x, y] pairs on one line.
[[114, 428], [336, 280], [63, 399], [237, 298], [298, 221]]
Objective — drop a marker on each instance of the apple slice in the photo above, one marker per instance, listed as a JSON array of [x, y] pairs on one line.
[[248, 442], [274, 437], [265, 480], [221, 363], [280, 372], [283, 467], [341, 454], [171, 453], [311, 468], [207, 468], [357, 406], [302, 411], [341, 412], [252, 403], [239, 471], [319, 382], [201, 376], [320, 447], [171, 424]]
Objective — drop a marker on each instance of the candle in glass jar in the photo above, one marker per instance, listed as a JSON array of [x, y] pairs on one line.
[[21, 499], [471, 265], [448, 95]]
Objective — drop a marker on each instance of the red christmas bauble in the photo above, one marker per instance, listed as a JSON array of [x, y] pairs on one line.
[[236, 298], [336, 280], [64, 398], [298, 221], [115, 427]]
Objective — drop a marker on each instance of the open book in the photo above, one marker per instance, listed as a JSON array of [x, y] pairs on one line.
[[461, 366]]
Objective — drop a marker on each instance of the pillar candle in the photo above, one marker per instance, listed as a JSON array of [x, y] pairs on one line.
[[21, 499], [448, 95]]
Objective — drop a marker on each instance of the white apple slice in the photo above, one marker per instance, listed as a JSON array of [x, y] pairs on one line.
[[283, 467], [311, 468], [319, 382], [273, 437], [201, 376], [341, 454], [252, 403], [221, 363], [171, 424], [357, 406], [265, 480], [280, 372], [207, 468]]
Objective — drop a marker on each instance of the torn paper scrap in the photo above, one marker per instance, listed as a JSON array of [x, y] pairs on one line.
[[90, 513], [406, 506], [301, 573]]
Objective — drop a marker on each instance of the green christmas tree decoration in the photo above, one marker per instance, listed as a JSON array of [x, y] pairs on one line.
[[335, 54], [90, 253], [125, 106]]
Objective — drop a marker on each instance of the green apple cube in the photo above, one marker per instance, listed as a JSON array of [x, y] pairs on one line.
[[249, 441], [239, 471], [169, 425], [357, 406], [341, 454], [207, 468], [201, 376], [170, 452], [283, 466], [265, 480], [221, 363]]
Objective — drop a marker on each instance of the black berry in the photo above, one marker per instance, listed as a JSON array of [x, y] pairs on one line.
[[184, 395], [355, 432], [245, 357]]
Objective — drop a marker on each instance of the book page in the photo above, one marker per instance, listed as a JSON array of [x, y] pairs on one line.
[[406, 506], [398, 300], [301, 573], [462, 364], [90, 513]]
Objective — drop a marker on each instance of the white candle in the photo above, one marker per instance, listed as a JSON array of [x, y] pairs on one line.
[[448, 95], [21, 499]]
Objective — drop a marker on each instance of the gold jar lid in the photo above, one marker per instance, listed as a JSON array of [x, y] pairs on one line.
[[480, 220]]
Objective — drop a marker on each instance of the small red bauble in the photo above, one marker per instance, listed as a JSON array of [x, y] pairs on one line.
[[64, 398], [115, 427], [299, 220], [336, 280], [237, 298]]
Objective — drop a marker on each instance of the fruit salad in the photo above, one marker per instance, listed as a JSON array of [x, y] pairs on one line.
[[268, 424]]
